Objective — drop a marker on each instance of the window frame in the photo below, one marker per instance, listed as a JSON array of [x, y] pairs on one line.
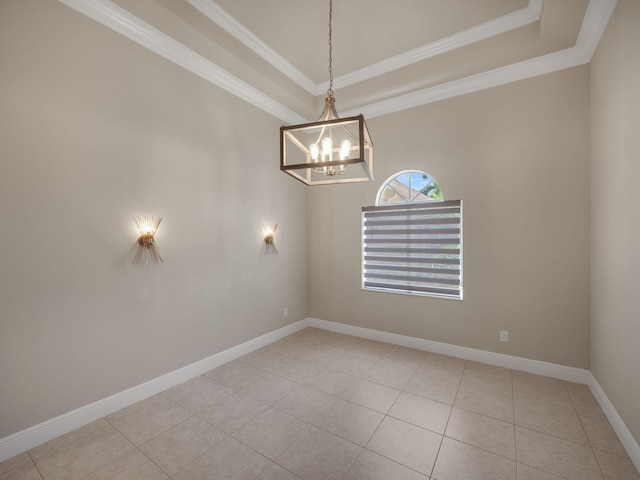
[[413, 274]]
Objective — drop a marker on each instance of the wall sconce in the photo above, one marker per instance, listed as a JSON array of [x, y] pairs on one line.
[[269, 232], [147, 226]]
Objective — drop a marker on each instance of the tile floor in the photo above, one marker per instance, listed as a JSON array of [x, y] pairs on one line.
[[323, 406]]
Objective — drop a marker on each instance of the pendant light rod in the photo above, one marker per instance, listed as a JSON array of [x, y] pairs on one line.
[[315, 163]]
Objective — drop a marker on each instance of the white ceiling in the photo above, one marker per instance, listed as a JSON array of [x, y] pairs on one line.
[[387, 56]]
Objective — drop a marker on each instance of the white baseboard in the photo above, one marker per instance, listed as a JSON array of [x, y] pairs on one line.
[[561, 372], [508, 361], [38, 434], [626, 438]]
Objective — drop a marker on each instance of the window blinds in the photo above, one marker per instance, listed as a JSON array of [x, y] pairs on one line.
[[413, 248]]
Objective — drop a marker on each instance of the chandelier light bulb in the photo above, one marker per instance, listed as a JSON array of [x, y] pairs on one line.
[[314, 150], [345, 148], [327, 147]]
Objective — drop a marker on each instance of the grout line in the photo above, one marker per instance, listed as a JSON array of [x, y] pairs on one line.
[[593, 452], [449, 418], [34, 465], [515, 434]]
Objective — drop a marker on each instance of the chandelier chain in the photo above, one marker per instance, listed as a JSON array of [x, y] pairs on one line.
[[330, 91]]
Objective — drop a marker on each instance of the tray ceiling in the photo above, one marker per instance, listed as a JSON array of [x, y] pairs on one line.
[[387, 56]]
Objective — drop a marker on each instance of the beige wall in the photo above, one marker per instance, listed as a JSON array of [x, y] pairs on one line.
[[518, 157], [615, 253], [95, 129]]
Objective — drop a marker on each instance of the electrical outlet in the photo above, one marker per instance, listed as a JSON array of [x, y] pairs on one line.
[[504, 335], [285, 312]]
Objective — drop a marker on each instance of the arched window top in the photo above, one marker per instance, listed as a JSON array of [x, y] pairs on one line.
[[409, 186]]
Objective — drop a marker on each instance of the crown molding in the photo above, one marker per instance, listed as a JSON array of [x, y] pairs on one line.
[[220, 17], [493, 78], [593, 26], [505, 23], [121, 21], [500, 25], [126, 24]]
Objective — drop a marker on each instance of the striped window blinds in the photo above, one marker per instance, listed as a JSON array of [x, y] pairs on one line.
[[413, 248]]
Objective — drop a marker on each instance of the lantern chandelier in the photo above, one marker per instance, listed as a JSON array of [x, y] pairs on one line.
[[331, 149]]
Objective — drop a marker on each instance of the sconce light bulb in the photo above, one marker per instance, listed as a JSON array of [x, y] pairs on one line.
[[269, 233], [147, 227]]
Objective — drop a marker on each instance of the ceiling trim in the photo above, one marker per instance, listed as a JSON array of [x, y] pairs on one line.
[[493, 78], [220, 17], [505, 23], [500, 25], [121, 21], [593, 26], [126, 24]]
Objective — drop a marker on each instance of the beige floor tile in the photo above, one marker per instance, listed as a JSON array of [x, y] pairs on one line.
[[370, 350], [306, 403], [14, 462], [394, 374], [577, 387], [372, 395], [585, 404], [342, 343], [407, 355], [332, 382], [557, 418], [483, 370], [271, 432], [143, 421], [350, 421], [411, 446], [178, 446], [555, 455], [526, 472], [198, 393], [479, 375], [443, 365], [421, 411], [529, 384], [269, 389], [602, 436], [371, 466], [483, 432], [236, 374], [130, 466], [319, 455], [486, 399], [435, 385], [276, 472], [345, 385], [351, 365], [322, 355], [292, 348], [24, 471], [80, 452], [457, 460], [229, 460], [266, 360], [615, 467], [298, 370], [232, 412]]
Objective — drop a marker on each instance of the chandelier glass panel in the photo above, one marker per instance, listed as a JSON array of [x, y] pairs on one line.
[[331, 149]]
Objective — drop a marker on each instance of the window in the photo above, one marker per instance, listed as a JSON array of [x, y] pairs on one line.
[[412, 239]]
